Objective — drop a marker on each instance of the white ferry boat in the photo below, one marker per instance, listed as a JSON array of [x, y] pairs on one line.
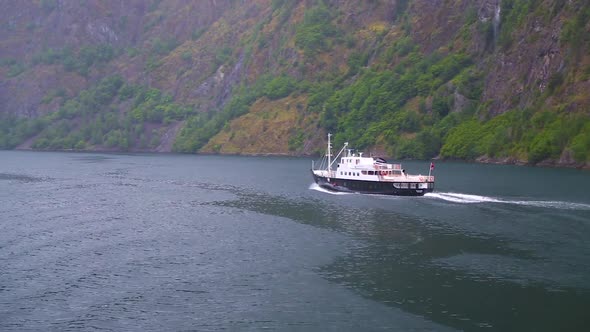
[[368, 175]]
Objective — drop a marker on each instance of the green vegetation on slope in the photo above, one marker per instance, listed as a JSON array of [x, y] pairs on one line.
[[313, 35], [92, 120], [201, 127], [371, 84], [374, 106], [80, 61], [427, 105]]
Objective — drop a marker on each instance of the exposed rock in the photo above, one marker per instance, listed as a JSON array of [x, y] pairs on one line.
[[502, 161], [167, 139], [488, 10], [460, 102], [258, 39], [101, 32], [434, 23]]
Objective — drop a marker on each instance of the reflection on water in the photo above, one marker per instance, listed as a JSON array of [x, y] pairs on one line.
[[93, 159], [120, 242], [21, 177], [460, 279]]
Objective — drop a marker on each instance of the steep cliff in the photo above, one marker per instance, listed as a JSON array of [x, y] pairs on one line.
[[492, 80]]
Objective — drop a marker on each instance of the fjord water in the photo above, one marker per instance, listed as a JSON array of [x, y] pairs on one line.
[[189, 242]]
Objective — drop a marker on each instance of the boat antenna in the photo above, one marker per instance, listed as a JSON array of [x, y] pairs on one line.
[[341, 150]]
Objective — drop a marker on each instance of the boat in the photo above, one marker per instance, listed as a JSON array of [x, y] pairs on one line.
[[355, 173]]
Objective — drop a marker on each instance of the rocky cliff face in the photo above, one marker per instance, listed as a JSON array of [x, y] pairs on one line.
[[32, 28], [207, 57]]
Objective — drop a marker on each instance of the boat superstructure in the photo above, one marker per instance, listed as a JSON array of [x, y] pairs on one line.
[[368, 175]]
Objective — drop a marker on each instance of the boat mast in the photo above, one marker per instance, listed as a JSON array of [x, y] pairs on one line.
[[329, 154]]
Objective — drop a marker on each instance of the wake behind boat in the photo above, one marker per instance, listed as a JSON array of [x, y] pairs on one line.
[[368, 175]]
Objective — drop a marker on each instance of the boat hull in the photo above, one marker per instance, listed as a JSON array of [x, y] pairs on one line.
[[368, 187]]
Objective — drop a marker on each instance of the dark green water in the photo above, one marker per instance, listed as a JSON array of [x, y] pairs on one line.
[[178, 242]]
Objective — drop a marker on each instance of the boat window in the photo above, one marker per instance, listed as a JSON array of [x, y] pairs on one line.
[[412, 185], [364, 172], [396, 185], [404, 186]]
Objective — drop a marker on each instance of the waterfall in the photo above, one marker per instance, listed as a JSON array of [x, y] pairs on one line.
[[496, 21]]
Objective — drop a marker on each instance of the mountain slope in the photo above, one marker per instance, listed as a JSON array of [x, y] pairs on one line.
[[492, 80]]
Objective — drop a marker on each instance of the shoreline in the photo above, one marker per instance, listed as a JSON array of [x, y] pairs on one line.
[[549, 163]]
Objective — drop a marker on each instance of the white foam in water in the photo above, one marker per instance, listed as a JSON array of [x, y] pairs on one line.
[[554, 204], [315, 186], [471, 199], [474, 199], [463, 198]]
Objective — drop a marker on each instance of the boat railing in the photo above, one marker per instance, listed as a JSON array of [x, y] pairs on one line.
[[388, 166], [419, 178]]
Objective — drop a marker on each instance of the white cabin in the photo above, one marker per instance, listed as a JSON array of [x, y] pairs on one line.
[[354, 166]]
